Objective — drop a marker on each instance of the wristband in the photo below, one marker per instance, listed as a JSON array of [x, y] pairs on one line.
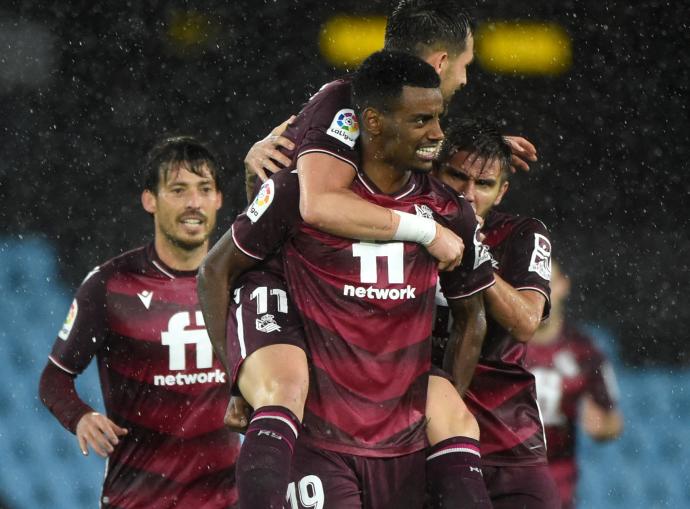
[[414, 228]]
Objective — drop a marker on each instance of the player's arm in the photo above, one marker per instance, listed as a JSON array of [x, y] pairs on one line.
[[79, 339], [216, 278], [466, 339], [265, 156], [600, 423], [519, 312], [328, 204]]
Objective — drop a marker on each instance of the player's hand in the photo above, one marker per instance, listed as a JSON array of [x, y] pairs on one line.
[[522, 152], [237, 414], [98, 432], [447, 248], [480, 222], [264, 154]]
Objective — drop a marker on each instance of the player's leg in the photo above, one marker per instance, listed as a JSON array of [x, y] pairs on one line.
[[269, 367], [453, 465], [522, 487]]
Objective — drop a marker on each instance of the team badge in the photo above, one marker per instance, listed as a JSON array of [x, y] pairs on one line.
[[541, 257], [345, 127], [481, 250], [423, 211], [69, 321], [267, 324], [262, 201]]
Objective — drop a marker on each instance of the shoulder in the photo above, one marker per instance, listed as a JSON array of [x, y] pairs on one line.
[[582, 344], [134, 260], [514, 224], [445, 200]]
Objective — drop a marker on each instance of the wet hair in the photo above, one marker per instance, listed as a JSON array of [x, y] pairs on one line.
[[476, 136], [174, 152], [416, 26], [379, 81]]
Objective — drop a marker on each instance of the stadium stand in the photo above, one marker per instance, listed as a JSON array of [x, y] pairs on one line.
[[42, 467]]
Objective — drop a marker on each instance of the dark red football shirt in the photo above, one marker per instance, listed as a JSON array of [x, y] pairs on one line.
[[160, 380], [367, 311], [502, 394], [566, 370]]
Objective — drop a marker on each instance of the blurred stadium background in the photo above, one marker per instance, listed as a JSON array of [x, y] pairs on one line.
[[600, 87]]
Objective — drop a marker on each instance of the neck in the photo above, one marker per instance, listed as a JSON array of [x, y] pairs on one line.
[[177, 257], [386, 177], [549, 331]]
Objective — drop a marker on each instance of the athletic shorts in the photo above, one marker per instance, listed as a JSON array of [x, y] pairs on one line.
[[334, 480], [260, 314], [521, 487]]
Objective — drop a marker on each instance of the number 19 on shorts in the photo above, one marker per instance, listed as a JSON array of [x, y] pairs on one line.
[[307, 493]]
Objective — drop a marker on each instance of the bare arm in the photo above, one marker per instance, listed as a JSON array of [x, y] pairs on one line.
[[466, 339], [217, 275], [600, 423], [519, 312]]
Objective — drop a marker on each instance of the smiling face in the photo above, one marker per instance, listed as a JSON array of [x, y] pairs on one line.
[[411, 131], [184, 207], [476, 178]]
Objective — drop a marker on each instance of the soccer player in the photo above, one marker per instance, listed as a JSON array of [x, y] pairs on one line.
[[165, 394], [475, 161], [575, 387], [367, 337]]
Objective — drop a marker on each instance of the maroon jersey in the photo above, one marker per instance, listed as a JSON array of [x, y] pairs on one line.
[[566, 370], [160, 380], [502, 394], [367, 311]]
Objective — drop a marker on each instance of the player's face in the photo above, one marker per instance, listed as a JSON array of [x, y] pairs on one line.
[[477, 179], [185, 207], [454, 73], [412, 130]]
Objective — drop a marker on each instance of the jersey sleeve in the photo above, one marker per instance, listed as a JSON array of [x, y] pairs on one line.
[[528, 262], [475, 272], [270, 219], [602, 385], [84, 330], [330, 124]]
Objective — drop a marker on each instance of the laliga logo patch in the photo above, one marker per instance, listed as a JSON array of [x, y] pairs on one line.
[[481, 251], [69, 321], [541, 257], [345, 127], [262, 201]]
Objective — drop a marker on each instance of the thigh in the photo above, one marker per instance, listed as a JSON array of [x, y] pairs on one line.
[[323, 480], [260, 315], [398, 482], [446, 412], [521, 487]]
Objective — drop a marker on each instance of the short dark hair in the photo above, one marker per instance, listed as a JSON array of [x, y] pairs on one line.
[[419, 25], [174, 152], [379, 81], [481, 137]]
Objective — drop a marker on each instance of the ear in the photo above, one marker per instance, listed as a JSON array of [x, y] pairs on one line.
[[219, 200], [438, 60], [372, 121], [502, 192], [148, 201]]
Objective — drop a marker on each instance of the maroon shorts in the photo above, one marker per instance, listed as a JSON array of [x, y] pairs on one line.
[[564, 472], [260, 314], [521, 487], [334, 480]]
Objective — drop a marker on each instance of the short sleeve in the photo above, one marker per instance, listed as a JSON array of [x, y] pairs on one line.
[[270, 219], [475, 272], [85, 327], [330, 124]]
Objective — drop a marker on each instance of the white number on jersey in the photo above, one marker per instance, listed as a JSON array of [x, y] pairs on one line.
[[310, 493]]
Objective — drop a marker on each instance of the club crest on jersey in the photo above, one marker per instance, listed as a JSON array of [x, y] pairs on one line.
[[69, 321], [262, 201], [423, 211], [481, 250], [541, 257], [267, 324], [345, 127]]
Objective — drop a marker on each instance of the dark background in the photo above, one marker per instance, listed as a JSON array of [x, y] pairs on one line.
[[78, 115]]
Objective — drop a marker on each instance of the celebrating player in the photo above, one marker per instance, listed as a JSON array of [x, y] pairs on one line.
[[366, 329], [165, 394], [575, 387], [475, 161]]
